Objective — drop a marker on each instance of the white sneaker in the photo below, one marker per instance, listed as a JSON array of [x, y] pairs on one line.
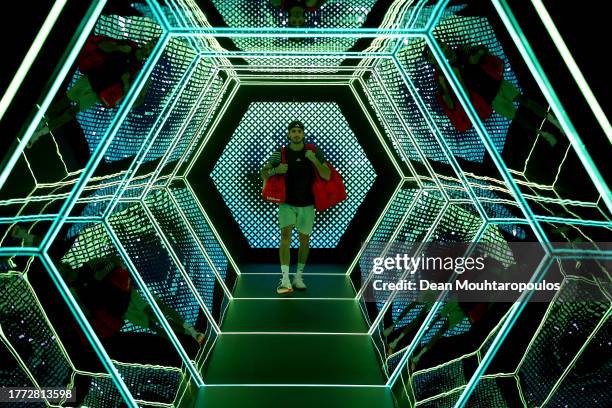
[[284, 286], [298, 282]]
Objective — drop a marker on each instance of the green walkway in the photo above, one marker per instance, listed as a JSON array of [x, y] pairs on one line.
[[307, 349]]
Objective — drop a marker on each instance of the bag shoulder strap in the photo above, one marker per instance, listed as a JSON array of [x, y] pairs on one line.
[[283, 155], [310, 146]]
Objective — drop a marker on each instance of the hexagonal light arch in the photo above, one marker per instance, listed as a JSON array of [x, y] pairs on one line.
[[321, 118], [184, 24], [266, 80]]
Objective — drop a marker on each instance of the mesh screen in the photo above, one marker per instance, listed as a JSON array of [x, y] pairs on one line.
[[236, 174], [565, 330], [261, 13], [189, 206], [27, 330], [181, 241]]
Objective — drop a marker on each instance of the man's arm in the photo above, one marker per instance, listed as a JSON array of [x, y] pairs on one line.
[[273, 166], [265, 171], [322, 168]]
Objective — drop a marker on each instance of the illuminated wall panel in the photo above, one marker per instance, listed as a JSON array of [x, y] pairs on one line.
[[262, 130]]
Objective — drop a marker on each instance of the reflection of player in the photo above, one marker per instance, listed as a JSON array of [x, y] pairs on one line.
[[109, 67], [450, 315], [481, 75], [297, 8], [298, 208], [104, 289]]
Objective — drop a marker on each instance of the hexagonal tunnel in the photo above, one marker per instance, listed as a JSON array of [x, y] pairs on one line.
[[139, 263]]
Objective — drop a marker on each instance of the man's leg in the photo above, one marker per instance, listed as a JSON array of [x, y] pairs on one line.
[[284, 250], [298, 280], [303, 250], [286, 219], [285, 260], [305, 222]]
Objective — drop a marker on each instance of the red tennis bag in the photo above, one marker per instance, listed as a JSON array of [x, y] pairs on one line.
[[327, 193], [92, 57], [274, 190]]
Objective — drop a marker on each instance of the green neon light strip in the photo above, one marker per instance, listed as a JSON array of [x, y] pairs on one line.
[[390, 299], [120, 116], [415, 12], [17, 357], [300, 385], [180, 17], [152, 136], [201, 247], [212, 129], [26, 218], [30, 56], [324, 69], [297, 54], [411, 20], [486, 140], [441, 141], [540, 329], [436, 16], [344, 81], [380, 137], [581, 252], [213, 229], [509, 322], [572, 363], [430, 316], [161, 17], [502, 221], [260, 80], [178, 136], [573, 67], [12, 251], [295, 333], [408, 132], [392, 134], [536, 70], [90, 20], [46, 217], [272, 32], [199, 130], [396, 231], [596, 255], [155, 178], [195, 375], [181, 269], [394, 235], [574, 221], [88, 330]]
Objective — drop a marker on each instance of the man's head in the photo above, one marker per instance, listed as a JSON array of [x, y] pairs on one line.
[[296, 132], [296, 16]]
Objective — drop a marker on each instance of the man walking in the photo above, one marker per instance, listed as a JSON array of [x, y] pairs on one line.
[[297, 211]]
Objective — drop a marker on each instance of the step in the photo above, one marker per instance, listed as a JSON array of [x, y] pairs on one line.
[[295, 397], [294, 359], [294, 315], [274, 268], [255, 285]]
